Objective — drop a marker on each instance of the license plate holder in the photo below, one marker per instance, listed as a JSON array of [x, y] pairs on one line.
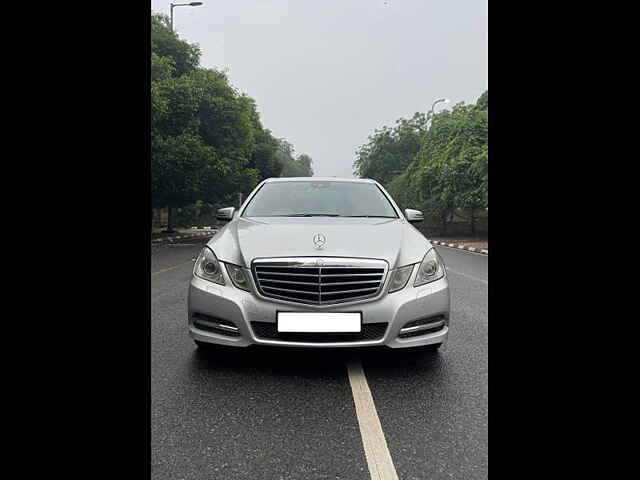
[[319, 322]]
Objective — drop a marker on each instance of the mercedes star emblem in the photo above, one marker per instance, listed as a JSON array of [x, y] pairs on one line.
[[319, 240]]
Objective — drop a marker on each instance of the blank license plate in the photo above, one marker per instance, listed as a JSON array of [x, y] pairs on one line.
[[319, 322]]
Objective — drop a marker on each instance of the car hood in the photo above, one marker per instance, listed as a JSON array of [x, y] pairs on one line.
[[245, 239]]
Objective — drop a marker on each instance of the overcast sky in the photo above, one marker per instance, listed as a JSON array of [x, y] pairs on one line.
[[326, 73]]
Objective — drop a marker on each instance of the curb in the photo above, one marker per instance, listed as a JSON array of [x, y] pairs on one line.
[[483, 251], [209, 233]]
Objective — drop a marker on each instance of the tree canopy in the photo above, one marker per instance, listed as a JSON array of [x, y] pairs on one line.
[[207, 140], [389, 150], [292, 166], [442, 169]]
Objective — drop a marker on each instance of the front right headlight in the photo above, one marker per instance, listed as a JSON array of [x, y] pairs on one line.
[[431, 269], [208, 267]]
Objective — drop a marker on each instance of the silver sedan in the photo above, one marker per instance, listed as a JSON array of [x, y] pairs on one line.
[[319, 262]]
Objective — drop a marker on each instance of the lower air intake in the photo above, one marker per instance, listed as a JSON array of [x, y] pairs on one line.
[[370, 331], [215, 325], [422, 326]]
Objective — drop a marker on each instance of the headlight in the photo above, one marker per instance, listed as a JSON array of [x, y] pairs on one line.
[[431, 268], [237, 276], [208, 267], [400, 278]]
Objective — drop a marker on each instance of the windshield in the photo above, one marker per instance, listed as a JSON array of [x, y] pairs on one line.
[[331, 199]]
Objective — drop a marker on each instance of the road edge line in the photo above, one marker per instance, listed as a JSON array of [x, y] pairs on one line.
[[173, 267], [466, 275]]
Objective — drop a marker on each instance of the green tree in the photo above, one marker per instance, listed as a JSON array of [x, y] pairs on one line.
[[263, 158], [452, 164], [389, 151], [300, 166], [178, 163], [165, 43], [445, 170], [207, 140]]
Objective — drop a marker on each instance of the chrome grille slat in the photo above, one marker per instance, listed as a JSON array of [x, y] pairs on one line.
[[350, 291], [292, 299], [351, 275], [345, 279], [291, 290], [351, 283], [289, 282], [289, 274]]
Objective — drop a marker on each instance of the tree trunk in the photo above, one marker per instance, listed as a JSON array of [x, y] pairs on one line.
[[169, 220], [473, 222]]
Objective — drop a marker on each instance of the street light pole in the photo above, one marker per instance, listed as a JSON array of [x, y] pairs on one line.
[[191, 4], [445, 100]]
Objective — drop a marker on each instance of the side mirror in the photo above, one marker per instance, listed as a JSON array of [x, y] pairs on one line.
[[225, 214], [413, 216]]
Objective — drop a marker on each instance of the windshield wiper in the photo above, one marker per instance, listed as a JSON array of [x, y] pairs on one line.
[[330, 215], [312, 215]]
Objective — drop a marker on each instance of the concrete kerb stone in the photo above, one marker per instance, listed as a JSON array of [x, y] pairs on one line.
[[483, 251], [181, 237]]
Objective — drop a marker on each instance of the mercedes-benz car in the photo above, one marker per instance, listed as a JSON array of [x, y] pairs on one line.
[[319, 262]]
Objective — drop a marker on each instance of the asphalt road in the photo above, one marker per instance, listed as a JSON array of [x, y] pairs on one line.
[[289, 414]]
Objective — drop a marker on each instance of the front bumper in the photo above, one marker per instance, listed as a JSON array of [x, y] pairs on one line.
[[241, 308]]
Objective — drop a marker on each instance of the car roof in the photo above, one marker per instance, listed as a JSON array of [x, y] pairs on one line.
[[318, 179]]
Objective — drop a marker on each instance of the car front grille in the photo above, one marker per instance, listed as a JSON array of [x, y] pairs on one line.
[[319, 280], [269, 331]]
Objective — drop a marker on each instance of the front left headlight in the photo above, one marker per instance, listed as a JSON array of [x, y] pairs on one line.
[[400, 278], [238, 276], [431, 269]]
